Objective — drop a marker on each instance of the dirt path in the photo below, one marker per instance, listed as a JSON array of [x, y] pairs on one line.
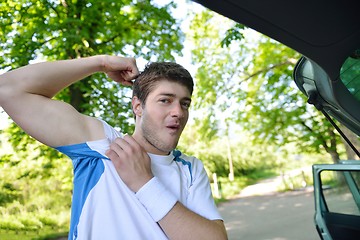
[[260, 213]]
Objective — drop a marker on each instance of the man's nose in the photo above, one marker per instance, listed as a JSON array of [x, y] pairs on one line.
[[177, 110]]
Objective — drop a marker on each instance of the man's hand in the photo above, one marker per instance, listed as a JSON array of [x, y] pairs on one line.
[[121, 69], [131, 162], [134, 167]]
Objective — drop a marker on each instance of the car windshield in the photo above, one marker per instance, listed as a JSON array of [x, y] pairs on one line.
[[350, 74]]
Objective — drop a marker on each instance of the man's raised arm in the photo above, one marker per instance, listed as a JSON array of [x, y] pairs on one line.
[[25, 94]]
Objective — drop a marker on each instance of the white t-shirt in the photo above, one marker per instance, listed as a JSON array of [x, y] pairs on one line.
[[103, 207]]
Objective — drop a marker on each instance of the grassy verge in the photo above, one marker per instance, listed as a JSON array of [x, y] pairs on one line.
[[30, 235], [228, 189]]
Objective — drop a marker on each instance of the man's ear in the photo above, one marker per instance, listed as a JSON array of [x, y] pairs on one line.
[[136, 106]]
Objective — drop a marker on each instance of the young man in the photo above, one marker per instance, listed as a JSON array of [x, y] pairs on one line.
[[148, 190]]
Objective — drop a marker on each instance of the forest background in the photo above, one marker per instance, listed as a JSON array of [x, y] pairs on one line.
[[249, 120]]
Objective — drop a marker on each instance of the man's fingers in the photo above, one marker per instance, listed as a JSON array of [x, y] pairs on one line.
[[121, 77], [111, 154], [125, 147], [134, 71], [121, 69], [129, 75], [131, 141], [121, 144], [131, 162]]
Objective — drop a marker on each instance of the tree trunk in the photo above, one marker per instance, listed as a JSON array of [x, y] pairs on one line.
[[354, 139], [334, 156], [76, 97], [331, 146]]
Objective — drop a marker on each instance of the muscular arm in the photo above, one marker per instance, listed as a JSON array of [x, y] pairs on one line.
[[25, 94], [181, 223]]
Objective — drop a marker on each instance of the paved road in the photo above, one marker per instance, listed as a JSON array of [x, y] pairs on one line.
[[271, 215]]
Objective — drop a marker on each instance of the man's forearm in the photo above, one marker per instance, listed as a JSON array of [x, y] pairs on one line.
[[25, 94], [181, 223], [48, 78], [177, 221]]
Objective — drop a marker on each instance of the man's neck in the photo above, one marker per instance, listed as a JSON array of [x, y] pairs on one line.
[[147, 145]]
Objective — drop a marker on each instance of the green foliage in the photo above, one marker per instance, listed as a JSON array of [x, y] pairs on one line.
[[11, 224], [36, 191], [248, 159], [8, 193], [229, 189], [240, 79], [44, 234], [54, 30], [232, 34], [246, 78], [36, 181], [48, 220]]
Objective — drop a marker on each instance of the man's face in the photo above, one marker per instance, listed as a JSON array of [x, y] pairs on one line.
[[164, 117]]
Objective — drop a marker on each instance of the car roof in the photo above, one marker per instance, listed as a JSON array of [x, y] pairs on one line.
[[325, 32]]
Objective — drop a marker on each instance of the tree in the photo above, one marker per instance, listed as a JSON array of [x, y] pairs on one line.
[[250, 79], [217, 91], [49, 30], [34, 178], [247, 158]]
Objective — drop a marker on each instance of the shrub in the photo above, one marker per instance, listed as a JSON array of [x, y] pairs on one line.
[[48, 221], [31, 223], [11, 224]]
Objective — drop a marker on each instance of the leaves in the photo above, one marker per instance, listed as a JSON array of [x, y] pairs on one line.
[[53, 30], [247, 77], [232, 34], [33, 30]]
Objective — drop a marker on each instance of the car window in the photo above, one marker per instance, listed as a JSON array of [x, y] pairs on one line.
[[341, 191], [350, 74]]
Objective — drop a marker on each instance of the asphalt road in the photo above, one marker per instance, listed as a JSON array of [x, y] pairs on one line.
[[270, 215]]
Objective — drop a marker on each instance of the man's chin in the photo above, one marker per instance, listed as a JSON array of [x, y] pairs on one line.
[[169, 148]]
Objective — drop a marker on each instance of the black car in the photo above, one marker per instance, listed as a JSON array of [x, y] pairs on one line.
[[327, 34]]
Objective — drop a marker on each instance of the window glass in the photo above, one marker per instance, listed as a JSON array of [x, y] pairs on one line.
[[350, 74], [341, 191]]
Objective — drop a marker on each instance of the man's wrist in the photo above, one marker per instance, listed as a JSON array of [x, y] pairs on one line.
[[99, 62], [156, 199]]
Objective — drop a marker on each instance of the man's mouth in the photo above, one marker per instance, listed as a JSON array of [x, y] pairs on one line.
[[174, 127]]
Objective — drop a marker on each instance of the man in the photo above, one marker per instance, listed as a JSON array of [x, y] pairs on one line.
[[148, 190]]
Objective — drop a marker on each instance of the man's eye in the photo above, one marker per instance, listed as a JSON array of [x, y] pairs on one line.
[[186, 105], [164, 100]]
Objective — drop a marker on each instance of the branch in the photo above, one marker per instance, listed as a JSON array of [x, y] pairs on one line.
[[320, 137], [289, 61], [53, 8]]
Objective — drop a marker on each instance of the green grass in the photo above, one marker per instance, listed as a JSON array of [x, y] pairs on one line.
[[229, 189], [31, 235]]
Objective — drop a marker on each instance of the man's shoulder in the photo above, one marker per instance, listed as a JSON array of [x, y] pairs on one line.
[[111, 132]]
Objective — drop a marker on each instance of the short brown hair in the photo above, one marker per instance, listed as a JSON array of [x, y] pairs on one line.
[[157, 71]]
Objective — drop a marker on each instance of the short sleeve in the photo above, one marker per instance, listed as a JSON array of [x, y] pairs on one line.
[[200, 199]]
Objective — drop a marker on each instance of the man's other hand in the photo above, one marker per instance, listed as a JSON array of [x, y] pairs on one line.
[[131, 161]]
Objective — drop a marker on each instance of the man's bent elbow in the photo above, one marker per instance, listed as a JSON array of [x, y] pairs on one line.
[[221, 230]]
